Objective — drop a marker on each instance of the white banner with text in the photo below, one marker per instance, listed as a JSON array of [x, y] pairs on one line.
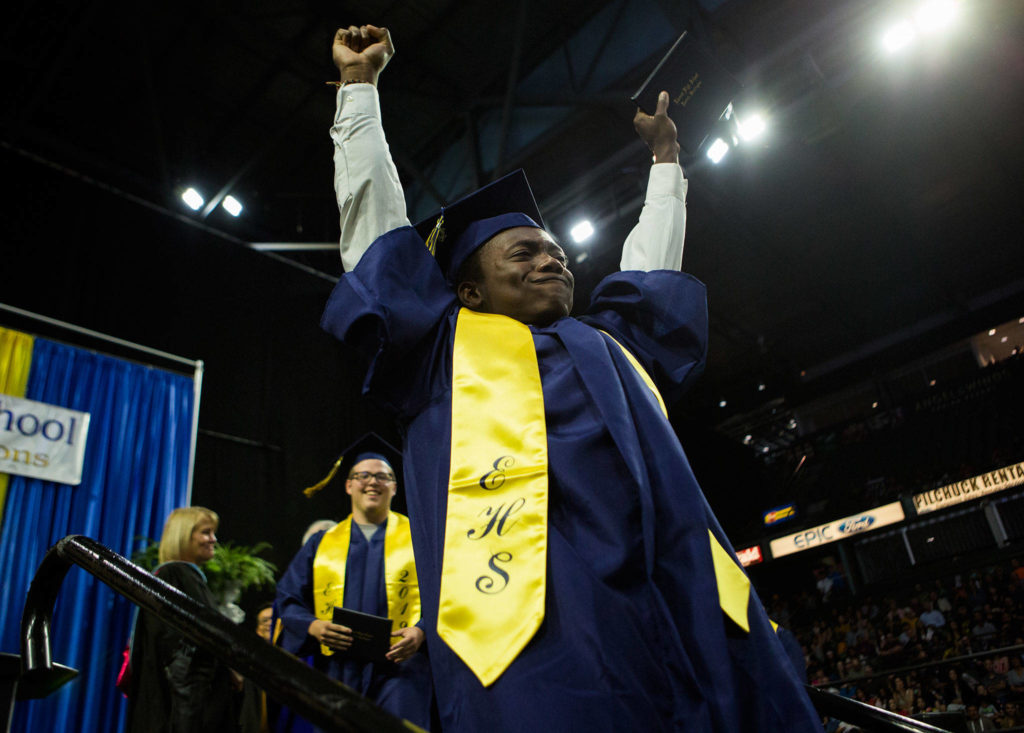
[[838, 529], [42, 441]]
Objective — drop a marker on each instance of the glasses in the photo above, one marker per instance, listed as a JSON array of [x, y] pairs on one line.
[[364, 477]]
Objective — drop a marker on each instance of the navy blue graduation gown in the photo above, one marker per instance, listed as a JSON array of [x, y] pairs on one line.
[[633, 636], [403, 690]]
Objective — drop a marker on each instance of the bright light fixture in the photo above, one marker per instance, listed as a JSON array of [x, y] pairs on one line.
[[747, 439], [899, 36], [718, 150], [582, 231], [752, 127], [936, 15], [192, 199], [232, 205], [991, 332], [723, 403], [760, 386]]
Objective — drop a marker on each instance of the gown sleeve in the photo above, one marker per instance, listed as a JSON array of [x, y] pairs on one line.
[[662, 318], [389, 309], [294, 601]]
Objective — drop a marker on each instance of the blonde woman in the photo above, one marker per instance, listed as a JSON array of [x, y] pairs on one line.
[[176, 686]]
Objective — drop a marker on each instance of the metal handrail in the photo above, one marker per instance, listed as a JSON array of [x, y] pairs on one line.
[[321, 700], [866, 716], [950, 661]]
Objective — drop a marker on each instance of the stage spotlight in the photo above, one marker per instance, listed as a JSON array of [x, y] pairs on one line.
[[899, 36], [760, 386], [752, 127], [723, 403], [936, 15], [718, 150], [232, 205], [582, 231], [192, 199], [747, 439]]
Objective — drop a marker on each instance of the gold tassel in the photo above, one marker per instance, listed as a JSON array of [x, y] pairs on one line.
[[436, 235], [322, 483]]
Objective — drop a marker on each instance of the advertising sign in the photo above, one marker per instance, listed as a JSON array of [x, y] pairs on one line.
[[750, 555], [41, 440], [969, 489], [779, 514], [838, 529]]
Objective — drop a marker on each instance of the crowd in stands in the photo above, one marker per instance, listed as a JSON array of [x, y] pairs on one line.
[[938, 646]]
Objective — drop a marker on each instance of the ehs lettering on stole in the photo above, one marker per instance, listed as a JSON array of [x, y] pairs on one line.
[[497, 521]]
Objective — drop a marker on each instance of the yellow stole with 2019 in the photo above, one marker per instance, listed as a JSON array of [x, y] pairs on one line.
[[495, 547], [400, 584]]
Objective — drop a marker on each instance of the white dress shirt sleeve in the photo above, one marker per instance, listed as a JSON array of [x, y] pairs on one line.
[[656, 242], [369, 193]]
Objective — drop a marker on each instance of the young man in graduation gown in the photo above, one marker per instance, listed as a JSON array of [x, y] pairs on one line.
[[364, 564], [572, 574]]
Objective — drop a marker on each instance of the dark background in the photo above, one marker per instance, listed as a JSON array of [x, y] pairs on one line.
[[877, 222]]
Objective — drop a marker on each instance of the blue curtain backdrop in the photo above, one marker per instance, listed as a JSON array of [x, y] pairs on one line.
[[135, 473]]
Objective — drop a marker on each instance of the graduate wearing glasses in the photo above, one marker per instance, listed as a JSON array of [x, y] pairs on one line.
[[364, 564]]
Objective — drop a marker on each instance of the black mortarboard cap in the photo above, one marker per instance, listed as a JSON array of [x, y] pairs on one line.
[[368, 446], [458, 230]]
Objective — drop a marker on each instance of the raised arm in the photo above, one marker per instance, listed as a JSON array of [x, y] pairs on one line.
[[369, 193], [656, 242]]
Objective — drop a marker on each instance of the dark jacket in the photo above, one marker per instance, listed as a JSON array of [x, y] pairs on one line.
[[177, 687]]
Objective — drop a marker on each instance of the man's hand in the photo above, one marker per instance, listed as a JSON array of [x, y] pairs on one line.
[[658, 131], [361, 53], [409, 643], [331, 635]]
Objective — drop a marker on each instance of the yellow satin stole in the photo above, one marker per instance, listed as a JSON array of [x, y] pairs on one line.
[[733, 584], [495, 548], [400, 583], [495, 545]]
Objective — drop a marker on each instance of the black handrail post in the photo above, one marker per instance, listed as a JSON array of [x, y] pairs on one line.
[[321, 700], [39, 675]]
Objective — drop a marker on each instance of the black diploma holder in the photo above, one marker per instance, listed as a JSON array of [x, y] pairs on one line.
[[699, 87], [371, 636]]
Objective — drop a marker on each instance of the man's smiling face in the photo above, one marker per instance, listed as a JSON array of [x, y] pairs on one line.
[[523, 275], [372, 497]]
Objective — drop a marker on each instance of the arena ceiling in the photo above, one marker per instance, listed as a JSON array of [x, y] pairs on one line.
[[879, 217]]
